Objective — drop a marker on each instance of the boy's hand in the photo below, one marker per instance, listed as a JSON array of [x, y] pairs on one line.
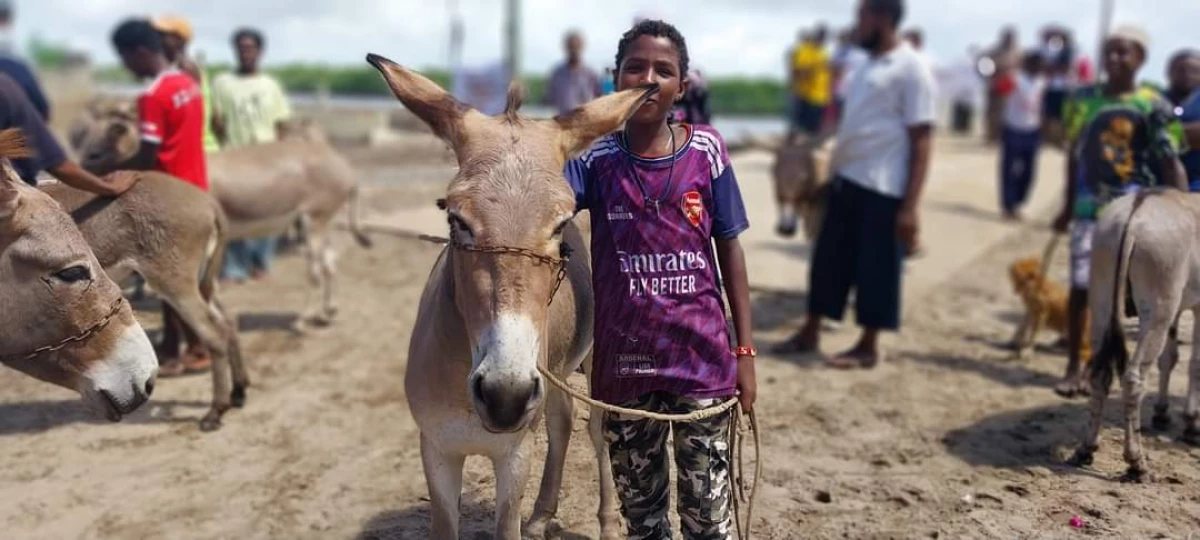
[[907, 228], [747, 385]]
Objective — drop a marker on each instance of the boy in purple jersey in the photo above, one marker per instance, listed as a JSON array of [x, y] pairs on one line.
[[660, 194]]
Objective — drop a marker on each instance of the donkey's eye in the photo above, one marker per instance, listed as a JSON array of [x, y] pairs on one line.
[[560, 228], [74, 274], [460, 227]]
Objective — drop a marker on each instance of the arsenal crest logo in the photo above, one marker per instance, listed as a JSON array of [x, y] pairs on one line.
[[693, 207]]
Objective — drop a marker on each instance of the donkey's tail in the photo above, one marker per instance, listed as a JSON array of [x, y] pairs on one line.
[[214, 254]]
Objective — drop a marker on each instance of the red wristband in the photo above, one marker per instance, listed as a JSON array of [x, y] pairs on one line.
[[745, 351]]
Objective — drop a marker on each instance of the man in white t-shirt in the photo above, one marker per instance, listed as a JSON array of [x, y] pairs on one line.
[[879, 165], [1021, 136]]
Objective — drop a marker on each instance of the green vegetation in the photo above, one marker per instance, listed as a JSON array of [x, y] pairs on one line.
[[47, 55], [728, 95]]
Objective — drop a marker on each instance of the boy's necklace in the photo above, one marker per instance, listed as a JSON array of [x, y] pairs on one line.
[[670, 176]]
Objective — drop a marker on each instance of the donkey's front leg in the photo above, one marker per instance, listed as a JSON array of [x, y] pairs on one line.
[[511, 470], [608, 514], [443, 475], [560, 412]]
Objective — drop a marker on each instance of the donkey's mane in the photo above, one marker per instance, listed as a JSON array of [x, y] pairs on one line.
[[516, 96], [12, 144]]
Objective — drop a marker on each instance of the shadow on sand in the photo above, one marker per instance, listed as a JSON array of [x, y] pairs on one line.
[[1047, 435], [476, 523], [39, 416]]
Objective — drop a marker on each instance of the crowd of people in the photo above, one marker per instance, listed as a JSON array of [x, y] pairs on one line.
[[572, 83], [184, 115], [876, 91]]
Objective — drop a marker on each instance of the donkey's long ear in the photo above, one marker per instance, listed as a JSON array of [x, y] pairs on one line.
[[599, 117], [427, 100], [9, 194]]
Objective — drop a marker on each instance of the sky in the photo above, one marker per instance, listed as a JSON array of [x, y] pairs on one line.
[[725, 37]]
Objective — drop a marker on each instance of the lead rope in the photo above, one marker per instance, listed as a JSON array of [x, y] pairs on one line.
[[735, 439]]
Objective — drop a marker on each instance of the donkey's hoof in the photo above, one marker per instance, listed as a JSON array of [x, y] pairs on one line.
[[211, 422], [536, 528], [1082, 457], [1161, 421], [1136, 474], [786, 231], [238, 396], [1191, 436]]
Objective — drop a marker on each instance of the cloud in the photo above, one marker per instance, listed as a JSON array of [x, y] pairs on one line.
[[746, 37]]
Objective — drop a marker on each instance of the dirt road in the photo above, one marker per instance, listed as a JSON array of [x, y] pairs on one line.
[[947, 440]]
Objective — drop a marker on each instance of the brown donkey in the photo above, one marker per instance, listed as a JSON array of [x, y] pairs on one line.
[[67, 323], [493, 308]]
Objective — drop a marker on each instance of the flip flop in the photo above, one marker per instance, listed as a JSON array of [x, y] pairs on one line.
[[850, 360], [196, 363]]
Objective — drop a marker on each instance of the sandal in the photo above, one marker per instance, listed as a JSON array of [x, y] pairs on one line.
[[197, 362]]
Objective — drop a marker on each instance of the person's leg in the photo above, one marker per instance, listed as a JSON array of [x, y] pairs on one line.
[[703, 468], [1008, 172], [1077, 305], [830, 269], [637, 447], [167, 350], [877, 279], [197, 359], [261, 251], [1030, 144], [237, 265]]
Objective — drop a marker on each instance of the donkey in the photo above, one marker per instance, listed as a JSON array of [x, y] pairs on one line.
[[484, 323], [263, 189], [801, 177], [1149, 238], [173, 235], [66, 322]]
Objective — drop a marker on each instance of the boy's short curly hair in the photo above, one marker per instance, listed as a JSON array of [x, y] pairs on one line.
[[654, 28]]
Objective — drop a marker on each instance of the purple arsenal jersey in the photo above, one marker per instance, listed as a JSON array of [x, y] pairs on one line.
[[660, 315]]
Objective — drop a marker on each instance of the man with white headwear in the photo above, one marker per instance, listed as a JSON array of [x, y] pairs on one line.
[[1106, 160]]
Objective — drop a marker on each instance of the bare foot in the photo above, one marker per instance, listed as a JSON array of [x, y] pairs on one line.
[[170, 367], [857, 358]]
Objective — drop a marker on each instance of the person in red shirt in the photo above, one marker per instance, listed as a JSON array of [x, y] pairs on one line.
[[171, 121]]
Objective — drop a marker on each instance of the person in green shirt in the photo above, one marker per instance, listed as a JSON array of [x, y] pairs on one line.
[[249, 107], [1121, 137]]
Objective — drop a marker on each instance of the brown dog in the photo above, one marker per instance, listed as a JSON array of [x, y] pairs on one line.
[[1045, 305]]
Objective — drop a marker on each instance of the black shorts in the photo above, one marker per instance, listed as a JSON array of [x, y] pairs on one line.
[[858, 249], [806, 116]]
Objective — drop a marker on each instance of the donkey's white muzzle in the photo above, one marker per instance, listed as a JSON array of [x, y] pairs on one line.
[[124, 379]]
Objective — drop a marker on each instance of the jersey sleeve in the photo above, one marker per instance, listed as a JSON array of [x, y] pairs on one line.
[[919, 96], [728, 209], [579, 177], [152, 117]]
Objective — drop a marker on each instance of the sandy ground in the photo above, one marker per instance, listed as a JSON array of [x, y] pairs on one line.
[[947, 440]]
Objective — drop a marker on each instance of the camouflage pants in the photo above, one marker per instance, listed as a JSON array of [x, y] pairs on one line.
[[638, 449]]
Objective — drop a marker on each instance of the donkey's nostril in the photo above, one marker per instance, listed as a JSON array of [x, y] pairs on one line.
[[477, 388], [150, 387]]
